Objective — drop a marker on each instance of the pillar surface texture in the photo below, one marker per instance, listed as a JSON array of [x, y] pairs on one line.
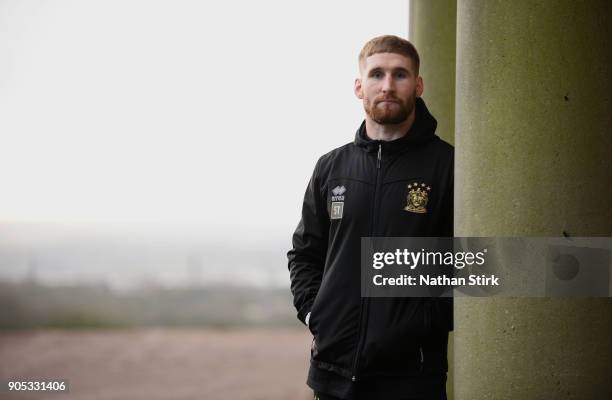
[[533, 158], [432, 31]]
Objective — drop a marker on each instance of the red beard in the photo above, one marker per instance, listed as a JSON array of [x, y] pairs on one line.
[[389, 114]]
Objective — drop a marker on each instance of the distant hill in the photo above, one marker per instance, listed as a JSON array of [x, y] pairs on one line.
[[32, 305]]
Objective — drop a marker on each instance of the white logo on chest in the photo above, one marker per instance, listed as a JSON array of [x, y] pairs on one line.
[[338, 193]]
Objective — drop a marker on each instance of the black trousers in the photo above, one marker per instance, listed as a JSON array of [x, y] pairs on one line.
[[323, 396]]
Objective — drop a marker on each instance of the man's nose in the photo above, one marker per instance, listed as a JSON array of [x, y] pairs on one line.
[[388, 83]]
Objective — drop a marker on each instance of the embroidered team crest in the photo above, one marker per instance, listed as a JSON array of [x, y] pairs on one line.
[[418, 196]]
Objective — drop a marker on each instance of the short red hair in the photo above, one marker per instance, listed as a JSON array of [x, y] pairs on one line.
[[390, 44]]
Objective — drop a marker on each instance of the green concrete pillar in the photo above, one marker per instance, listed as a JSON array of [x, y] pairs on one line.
[[432, 31], [533, 158]]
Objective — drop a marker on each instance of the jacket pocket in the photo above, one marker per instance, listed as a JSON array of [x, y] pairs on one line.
[[313, 347], [333, 324], [312, 321], [310, 324], [396, 327]]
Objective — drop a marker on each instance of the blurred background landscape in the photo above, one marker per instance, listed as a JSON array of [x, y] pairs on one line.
[[148, 312], [62, 277], [153, 163]]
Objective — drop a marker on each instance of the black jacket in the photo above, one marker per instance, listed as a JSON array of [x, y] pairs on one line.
[[355, 338]]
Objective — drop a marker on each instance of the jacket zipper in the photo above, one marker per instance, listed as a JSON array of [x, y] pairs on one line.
[[421, 358], [363, 320], [427, 322]]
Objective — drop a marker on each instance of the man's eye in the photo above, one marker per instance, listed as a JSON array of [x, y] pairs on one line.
[[377, 75], [401, 75]]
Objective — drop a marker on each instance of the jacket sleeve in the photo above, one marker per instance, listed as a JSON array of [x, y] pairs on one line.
[[307, 257]]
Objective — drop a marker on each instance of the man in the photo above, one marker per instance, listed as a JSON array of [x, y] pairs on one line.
[[394, 179]]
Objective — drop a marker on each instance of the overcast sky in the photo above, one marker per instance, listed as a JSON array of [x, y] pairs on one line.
[[208, 113]]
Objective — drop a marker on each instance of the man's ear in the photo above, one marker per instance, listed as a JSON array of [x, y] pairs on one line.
[[358, 89], [419, 86]]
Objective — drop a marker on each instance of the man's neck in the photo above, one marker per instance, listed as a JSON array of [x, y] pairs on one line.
[[376, 131]]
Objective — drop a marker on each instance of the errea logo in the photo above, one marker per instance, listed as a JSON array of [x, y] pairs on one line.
[[338, 193]]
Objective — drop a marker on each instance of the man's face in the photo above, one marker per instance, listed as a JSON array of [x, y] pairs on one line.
[[388, 87]]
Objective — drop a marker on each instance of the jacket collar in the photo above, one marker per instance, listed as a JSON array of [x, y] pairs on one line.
[[422, 131]]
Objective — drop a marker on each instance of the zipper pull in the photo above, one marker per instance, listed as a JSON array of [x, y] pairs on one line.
[[354, 378], [379, 155]]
